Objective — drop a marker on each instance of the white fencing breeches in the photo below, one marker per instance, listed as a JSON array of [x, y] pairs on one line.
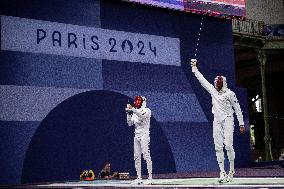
[[223, 135], [141, 146]]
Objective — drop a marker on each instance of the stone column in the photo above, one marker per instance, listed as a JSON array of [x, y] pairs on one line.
[[267, 139]]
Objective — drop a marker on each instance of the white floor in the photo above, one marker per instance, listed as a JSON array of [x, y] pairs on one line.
[[174, 183]]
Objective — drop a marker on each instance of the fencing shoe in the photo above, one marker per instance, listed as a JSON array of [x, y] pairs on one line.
[[148, 182], [137, 181], [230, 176], [223, 177]]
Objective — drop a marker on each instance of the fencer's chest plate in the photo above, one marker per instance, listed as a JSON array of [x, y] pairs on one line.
[[224, 98]]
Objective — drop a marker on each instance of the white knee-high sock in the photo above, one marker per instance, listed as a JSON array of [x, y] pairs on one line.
[[149, 168], [232, 165], [221, 166], [231, 157], [220, 159], [138, 167]]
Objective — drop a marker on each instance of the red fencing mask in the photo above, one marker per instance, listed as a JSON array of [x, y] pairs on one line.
[[218, 83], [138, 102]]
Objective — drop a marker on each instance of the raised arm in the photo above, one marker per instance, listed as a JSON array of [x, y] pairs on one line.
[[209, 87]]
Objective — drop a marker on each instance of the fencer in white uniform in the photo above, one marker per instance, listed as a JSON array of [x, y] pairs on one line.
[[224, 104], [139, 116]]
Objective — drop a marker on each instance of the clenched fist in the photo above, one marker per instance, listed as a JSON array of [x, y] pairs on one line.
[[193, 65]]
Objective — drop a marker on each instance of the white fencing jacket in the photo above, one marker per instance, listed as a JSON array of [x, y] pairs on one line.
[[223, 101], [141, 120]]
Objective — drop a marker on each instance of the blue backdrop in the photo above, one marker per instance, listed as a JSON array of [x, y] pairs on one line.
[[62, 113]]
